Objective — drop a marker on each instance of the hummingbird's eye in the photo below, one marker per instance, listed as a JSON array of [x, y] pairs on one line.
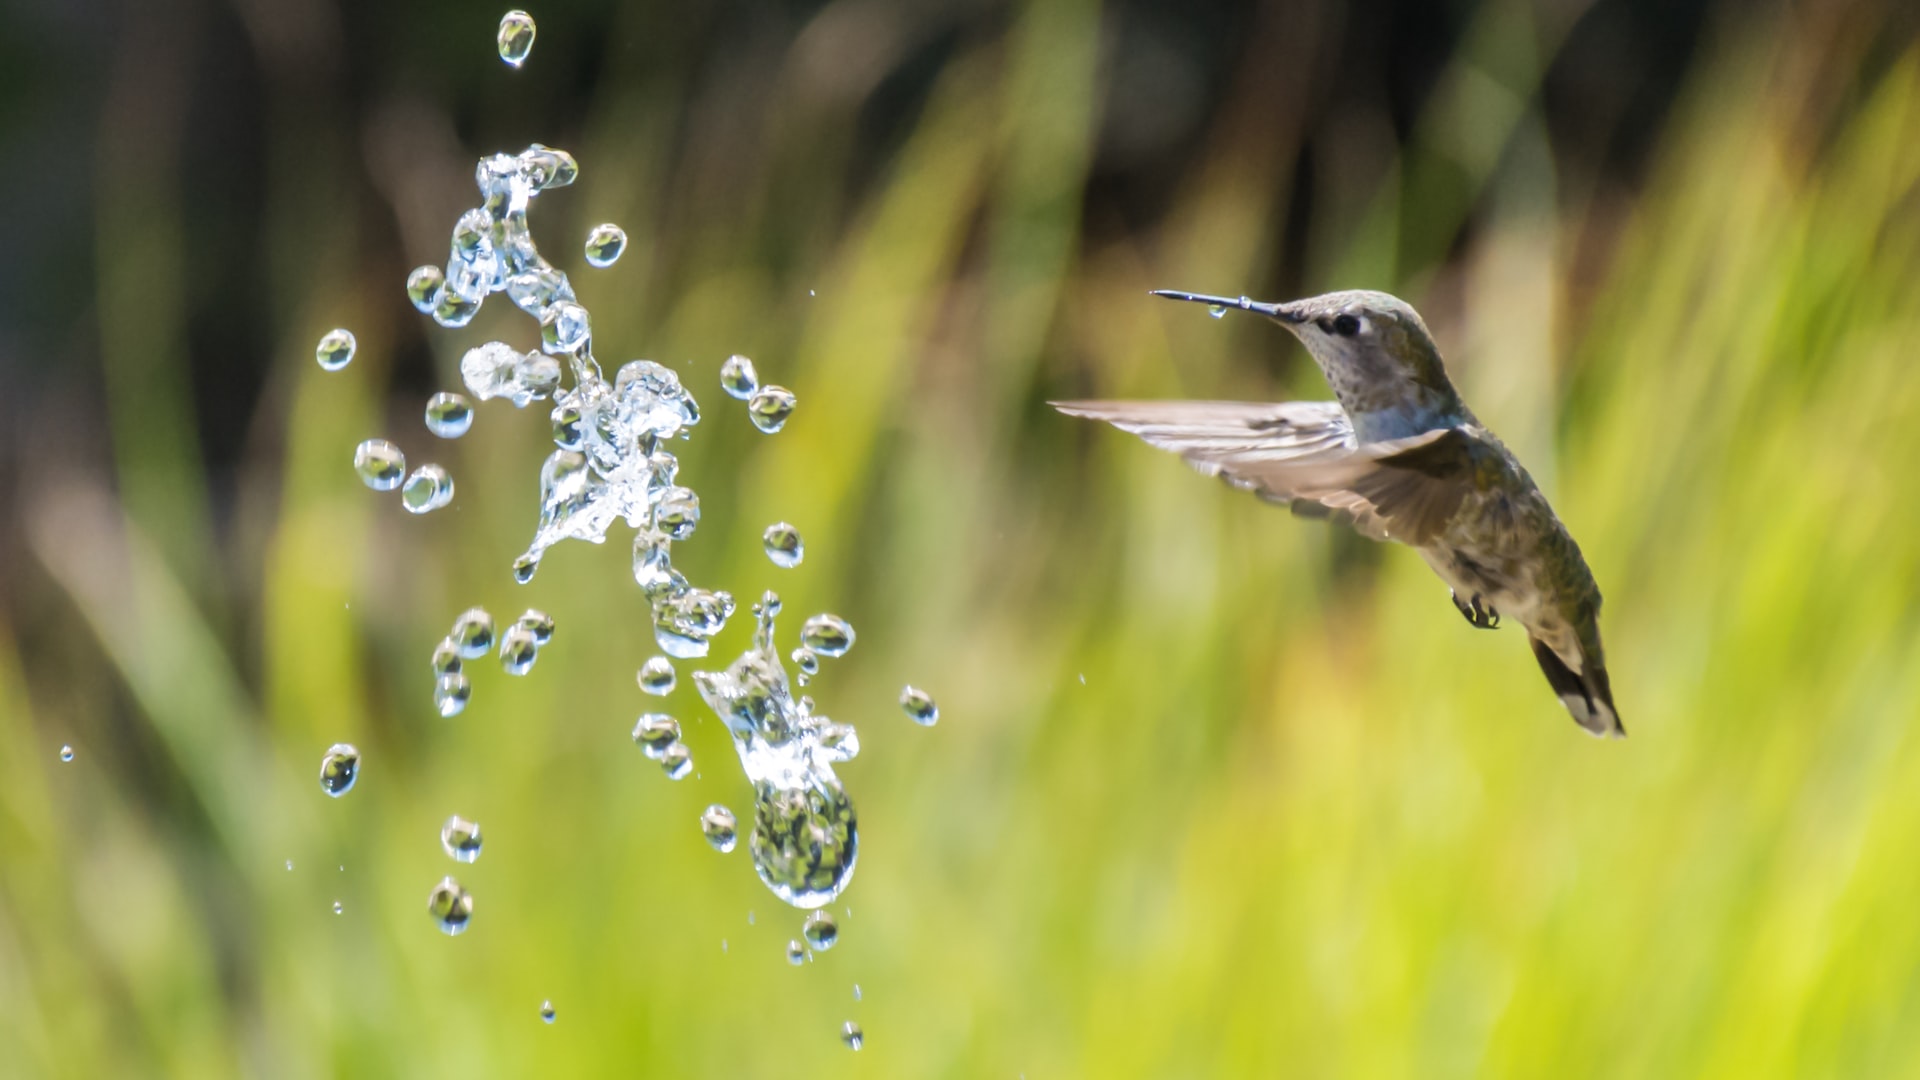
[[1346, 325]]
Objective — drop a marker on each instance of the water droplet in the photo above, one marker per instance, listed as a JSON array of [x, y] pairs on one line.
[[424, 286], [856, 991], [806, 660], [749, 917], [828, 635], [449, 415], [498, 370], [821, 931], [796, 953], [677, 512], [518, 649], [66, 754], [335, 350], [738, 378], [655, 732], [460, 839], [656, 676], [338, 907], [428, 489], [515, 37], [546, 1012], [566, 329], [539, 622], [446, 657], [919, 706], [1217, 310], [453, 310], [676, 761], [450, 905], [604, 245], [770, 406], [721, 830], [339, 769], [380, 464], [783, 545], [473, 633], [451, 692], [851, 1034]]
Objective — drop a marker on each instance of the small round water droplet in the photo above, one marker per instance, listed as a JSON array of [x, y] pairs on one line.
[[450, 905], [828, 635], [460, 839], [796, 953], [919, 706], [335, 350], [539, 622], [428, 489], [515, 37], [473, 633], [451, 692], [338, 907], [518, 649], [851, 1034], [525, 567], [604, 245], [770, 406], [677, 512], [806, 660], [676, 761], [380, 464], [738, 378], [66, 754], [821, 931], [654, 733], [546, 1011], [339, 769], [1217, 310], [424, 287], [446, 657], [721, 830], [449, 415], [656, 676], [783, 545]]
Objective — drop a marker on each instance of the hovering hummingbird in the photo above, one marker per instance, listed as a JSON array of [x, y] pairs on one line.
[[1399, 457]]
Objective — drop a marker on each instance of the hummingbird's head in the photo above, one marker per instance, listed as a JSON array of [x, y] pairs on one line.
[[1373, 348]]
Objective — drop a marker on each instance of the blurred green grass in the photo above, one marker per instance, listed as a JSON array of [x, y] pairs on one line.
[[1207, 797]]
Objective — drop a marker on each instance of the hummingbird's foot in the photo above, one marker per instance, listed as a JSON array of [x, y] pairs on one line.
[[1480, 614]]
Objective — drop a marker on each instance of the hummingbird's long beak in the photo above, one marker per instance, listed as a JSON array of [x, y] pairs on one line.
[[1286, 313]]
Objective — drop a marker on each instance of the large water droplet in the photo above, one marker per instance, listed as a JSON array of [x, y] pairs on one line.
[[424, 286], [604, 245], [676, 761], [460, 839], [796, 952], [738, 378], [339, 769], [473, 633], [828, 635], [770, 406], [335, 350], [451, 692], [821, 931], [677, 512], [428, 489], [515, 37], [851, 1034], [656, 676], [380, 464], [654, 733], [720, 828], [66, 754], [449, 415], [783, 545], [919, 706], [546, 1012], [518, 649], [450, 905]]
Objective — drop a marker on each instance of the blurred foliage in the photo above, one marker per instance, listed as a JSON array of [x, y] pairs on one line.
[[1215, 792]]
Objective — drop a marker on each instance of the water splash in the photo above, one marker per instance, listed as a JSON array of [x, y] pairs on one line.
[[335, 350], [805, 839], [338, 769]]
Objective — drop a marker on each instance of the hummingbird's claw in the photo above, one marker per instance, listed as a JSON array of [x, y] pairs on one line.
[[1479, 614]]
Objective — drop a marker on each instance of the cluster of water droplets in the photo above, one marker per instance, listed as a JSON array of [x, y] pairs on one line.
[[471, 638]]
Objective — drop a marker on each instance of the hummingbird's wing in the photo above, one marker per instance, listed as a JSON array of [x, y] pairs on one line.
[[1303, 453]]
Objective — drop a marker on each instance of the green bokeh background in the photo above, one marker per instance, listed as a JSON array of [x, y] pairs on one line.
[[1214, 792]]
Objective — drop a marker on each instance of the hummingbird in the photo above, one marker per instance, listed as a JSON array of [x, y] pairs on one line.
[[1398, 456]]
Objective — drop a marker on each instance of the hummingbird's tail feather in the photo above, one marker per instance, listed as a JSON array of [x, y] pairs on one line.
[[1587, 695]]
